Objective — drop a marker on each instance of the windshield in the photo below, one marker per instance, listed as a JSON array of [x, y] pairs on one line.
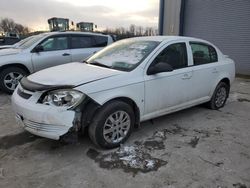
[[31, 41], [22, 41], [124, 55]]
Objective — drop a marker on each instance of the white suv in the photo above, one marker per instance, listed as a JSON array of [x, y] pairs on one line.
[[130, 81], [46, 50]]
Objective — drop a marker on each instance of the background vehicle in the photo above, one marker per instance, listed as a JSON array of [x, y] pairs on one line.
[[9, 39], [16, 45], [128, 82], [46, 50]]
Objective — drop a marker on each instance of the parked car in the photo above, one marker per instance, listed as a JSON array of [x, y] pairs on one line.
[[46, 50], [16, 45], [9, 39], [128, 82]]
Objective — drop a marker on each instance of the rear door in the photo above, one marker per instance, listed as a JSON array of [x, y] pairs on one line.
[[205, 72], [83, 46], [55, 52]]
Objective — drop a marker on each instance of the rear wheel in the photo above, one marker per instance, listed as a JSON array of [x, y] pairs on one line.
[[219, 97], [10, 77], [112, 125]]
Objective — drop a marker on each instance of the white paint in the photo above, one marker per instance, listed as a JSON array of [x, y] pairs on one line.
[[71, 74], [154, 95]]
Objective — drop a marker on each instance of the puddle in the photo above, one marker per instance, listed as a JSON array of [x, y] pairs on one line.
[[8, 142], [131, 159], [138, 158], [194, 141], [243, 100]]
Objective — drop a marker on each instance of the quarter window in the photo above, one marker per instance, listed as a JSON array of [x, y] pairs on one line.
[[175, 55], [82, 42], [203, 53], [55, 43]]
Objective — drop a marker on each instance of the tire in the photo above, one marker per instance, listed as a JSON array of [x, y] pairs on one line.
[[10, 77], [219, 97], [104, 122]]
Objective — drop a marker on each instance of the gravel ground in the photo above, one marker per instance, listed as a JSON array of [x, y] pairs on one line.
[[196, 147]]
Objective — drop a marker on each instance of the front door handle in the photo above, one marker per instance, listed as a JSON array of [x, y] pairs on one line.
[[65, 54]]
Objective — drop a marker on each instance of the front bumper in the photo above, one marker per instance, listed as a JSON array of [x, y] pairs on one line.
[[42, 120]]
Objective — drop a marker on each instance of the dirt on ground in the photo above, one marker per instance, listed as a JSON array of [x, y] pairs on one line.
[[195, 148]]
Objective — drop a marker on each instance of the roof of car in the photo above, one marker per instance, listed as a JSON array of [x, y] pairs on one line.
[[167, 38], [73, 32]]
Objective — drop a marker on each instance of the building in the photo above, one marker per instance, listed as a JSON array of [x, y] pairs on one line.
[[225, 23]]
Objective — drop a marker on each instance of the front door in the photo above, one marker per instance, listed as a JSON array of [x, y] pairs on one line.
[[167, 90], [55, 51]]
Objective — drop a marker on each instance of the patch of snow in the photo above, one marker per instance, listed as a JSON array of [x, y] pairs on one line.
[[127, 150], [128, 158], [150, 164], [159, 134], [128, 56]]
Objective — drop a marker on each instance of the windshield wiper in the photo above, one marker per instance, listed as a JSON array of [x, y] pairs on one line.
[[99, 64]]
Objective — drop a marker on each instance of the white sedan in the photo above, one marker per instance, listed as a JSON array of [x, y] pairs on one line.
[[130, 81]]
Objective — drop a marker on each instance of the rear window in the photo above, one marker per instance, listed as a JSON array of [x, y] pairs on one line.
[[82, 42], [203, 53], [101, 41]]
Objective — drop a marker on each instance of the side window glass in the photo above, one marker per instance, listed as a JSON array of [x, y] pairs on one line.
[[203, 54], [175, 55], [55, 43], [101, 41], [81, 42]]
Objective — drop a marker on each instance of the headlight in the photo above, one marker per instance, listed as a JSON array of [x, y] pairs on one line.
[[64, 98]]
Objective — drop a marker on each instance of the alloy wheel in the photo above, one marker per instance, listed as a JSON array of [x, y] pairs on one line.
[[220, 97], [116, 127], [12, 79]]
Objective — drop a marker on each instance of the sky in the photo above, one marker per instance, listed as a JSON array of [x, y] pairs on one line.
[[104, 13]]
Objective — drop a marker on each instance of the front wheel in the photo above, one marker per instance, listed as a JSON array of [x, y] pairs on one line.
[[219, 97], [112, 125], [10, 77]]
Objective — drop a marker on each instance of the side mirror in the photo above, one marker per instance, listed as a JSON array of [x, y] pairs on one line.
[[38, 48], [159, 67]]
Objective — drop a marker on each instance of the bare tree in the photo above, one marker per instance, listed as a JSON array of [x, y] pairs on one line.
[[8, 25], [139, 31], [132, 29]]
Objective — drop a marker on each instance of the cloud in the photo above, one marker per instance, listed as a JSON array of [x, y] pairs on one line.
[[35, 14]]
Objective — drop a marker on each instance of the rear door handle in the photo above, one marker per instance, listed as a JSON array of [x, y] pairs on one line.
[[65, 54]]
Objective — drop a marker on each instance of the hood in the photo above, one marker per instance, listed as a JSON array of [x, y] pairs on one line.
[[9, 51], [73, 74]]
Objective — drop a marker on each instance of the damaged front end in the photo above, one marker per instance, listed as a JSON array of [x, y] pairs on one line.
[[51, 111]]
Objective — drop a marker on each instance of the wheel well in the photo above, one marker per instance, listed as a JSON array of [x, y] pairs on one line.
[[15, 65], [226, 81], [133, 105]]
